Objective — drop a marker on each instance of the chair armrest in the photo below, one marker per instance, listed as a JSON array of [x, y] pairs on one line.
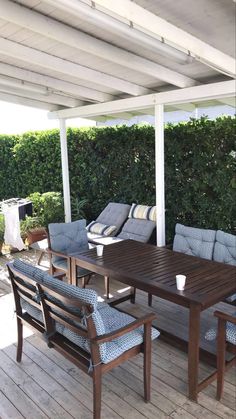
[[225, 316], [53, 252], [148, 318]]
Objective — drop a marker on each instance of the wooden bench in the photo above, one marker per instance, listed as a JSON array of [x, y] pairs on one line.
[[76, 327]]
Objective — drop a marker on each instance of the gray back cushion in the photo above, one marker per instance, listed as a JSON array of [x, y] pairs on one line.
[[136, 229], [225, 248], [194, 241], [68, 237], [114, 214]]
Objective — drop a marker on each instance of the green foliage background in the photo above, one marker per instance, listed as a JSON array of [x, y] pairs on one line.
[[117, 164]]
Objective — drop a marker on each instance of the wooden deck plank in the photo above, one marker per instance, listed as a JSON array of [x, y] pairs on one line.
[[19, 399], [7, 409], [32, 389], [110, 395]]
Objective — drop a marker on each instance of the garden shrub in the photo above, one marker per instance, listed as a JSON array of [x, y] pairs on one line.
[[117, 164]]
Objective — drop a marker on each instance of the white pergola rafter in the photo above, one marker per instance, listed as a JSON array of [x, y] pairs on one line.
[[54, 84], [49, 27], [65, 101], [47, 61], [152, 23], [21, 100], [116, 27]]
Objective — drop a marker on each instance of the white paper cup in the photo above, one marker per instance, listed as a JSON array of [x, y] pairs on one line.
[[100, 249], [180, 282]]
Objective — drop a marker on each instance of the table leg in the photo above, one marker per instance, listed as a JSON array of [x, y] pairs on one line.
[[193, 350], [73, 272]]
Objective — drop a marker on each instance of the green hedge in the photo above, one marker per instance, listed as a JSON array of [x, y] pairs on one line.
[[117, 163]]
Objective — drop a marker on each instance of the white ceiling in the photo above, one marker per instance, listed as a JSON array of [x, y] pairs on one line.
[[54, 56]]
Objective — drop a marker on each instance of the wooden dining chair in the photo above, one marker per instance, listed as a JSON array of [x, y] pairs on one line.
[[63, 240], [225, 333], [226, 341]]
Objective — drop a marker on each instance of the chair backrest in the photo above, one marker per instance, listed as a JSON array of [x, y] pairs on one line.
[[68, 238], [114, 214], [194, 241], [68, 310], [140, 224], [225, 248]]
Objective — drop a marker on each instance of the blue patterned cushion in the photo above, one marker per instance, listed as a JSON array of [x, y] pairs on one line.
[[225, 248], [194, 241], [113, 320], [230, 333], [70, 291], [143, 212]]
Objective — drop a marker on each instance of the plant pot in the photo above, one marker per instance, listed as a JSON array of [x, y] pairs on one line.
[[36, 234]]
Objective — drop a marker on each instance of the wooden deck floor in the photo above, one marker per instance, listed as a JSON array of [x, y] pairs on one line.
[[45, 385]]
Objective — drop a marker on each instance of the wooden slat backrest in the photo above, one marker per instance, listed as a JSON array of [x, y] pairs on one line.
[[54, 305]]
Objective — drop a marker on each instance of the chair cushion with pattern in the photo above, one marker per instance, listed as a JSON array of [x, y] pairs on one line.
[[113, 320], [194, 241], [70, 291], [230, 333]]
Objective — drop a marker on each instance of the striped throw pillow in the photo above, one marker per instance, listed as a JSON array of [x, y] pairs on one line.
[[143, 212], [99, 228]]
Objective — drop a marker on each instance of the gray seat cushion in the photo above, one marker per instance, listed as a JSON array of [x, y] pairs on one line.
[[114, 214], [137, 229], [225, 248], [194, 241], [68, 238], [225, 252]]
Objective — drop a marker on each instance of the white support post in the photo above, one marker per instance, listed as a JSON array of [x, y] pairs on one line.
[[65, 170], [160, 179]]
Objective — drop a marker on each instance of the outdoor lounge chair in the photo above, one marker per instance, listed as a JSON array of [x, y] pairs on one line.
[[108, 224], [95, 337], [226, 341]]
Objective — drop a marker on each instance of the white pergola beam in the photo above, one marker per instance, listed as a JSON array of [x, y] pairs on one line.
[[174, 97], [50, 98], [152, 23], [60, 32], [59, 65], [65, 171], [19, 100], [54, 84], [160, 175]]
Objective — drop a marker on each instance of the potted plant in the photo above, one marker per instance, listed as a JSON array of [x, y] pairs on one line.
[[32, 230]]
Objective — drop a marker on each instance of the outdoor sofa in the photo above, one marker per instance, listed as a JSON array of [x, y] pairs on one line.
[[94, 336]]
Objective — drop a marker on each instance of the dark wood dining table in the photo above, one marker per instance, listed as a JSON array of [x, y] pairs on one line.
[[153, 269]]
